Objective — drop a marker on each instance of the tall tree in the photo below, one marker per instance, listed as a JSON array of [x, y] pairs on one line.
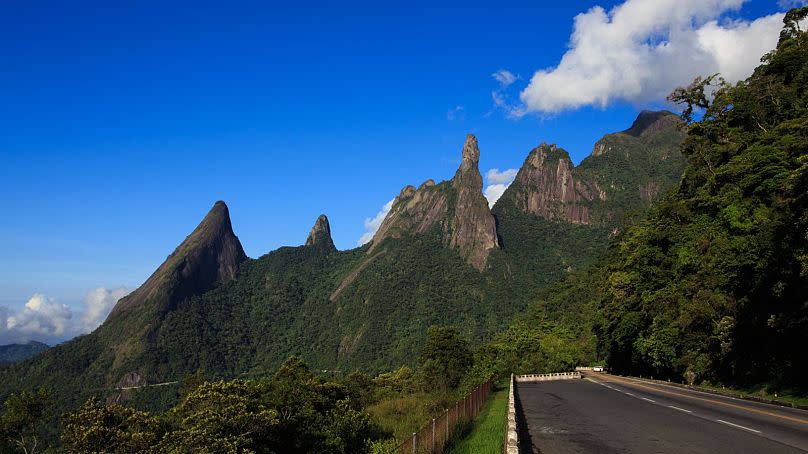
[[445, 357]]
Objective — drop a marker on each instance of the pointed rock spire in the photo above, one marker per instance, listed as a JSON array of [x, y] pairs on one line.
[[474, 230], [209, 256], [471, 153], [457, 206], [320, 234]]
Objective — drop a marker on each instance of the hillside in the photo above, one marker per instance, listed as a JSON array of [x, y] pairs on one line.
[[557, 218], [14, 353], [713, 285]]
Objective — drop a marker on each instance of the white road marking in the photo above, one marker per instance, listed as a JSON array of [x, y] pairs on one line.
[[680, 409], [649, 400], [738, 426], [629, 394]]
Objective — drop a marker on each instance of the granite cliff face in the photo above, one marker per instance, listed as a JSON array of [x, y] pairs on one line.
[[209, 256], [457, 207], [320, 234], [625, 172], [548, 186], [473, 229]]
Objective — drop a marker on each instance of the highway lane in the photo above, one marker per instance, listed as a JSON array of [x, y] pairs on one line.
[[607, 414]]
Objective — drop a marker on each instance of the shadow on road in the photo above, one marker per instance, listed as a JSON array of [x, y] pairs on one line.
[[526, 445]]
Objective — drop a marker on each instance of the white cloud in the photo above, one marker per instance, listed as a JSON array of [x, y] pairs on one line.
[[505, 77], [373, 224], [97, 305], [46, 320], [455, 114], [640, 50], [494, 176], [41, 316], [498, 182], [500, 96], [493, 192]]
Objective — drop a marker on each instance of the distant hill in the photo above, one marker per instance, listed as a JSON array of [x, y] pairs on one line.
[[441, 256], [13, 353]]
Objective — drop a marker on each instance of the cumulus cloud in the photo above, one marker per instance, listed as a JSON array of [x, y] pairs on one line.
[[640, 50], [45, 319], [373, 224], [455, 113], [41, 316], [493, 192], [497, 183], [496, 177], [97, 305]]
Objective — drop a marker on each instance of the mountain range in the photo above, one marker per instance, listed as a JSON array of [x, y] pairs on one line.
[[440, 256], [13, 353]]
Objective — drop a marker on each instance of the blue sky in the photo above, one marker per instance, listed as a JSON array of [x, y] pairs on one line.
[[120, 126]]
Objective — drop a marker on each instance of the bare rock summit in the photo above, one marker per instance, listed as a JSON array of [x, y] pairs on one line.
[[209, 256], [320, 234], [457, 208]]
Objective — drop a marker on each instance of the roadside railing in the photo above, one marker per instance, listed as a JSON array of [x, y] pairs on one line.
[[512, 431], [591, 368], [548, 377], [434, 436]]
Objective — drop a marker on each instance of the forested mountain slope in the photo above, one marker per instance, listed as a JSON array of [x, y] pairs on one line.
[[13, 353], [557, 218], [714, 284]]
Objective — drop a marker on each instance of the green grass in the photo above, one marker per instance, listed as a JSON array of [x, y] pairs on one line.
[[486, 434], [403, 415]]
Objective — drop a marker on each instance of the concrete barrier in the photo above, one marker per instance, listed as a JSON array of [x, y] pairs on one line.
[[512, 436], [548, 377], [591, 369]]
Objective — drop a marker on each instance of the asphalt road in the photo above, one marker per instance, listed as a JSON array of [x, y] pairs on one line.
[[607, 414]]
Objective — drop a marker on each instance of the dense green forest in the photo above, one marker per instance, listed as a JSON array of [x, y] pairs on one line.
[[714, 284], [294, 410]]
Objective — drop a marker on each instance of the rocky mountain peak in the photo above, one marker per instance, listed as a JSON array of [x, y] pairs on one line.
[[321, 234], [471, 153], [457, 207], [649, 122], [547, 186], [209, 256], [544, 152], [473, 228], [598, 191], [427, 184]]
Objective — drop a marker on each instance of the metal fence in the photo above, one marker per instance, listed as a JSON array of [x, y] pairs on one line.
[[434, 436]]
